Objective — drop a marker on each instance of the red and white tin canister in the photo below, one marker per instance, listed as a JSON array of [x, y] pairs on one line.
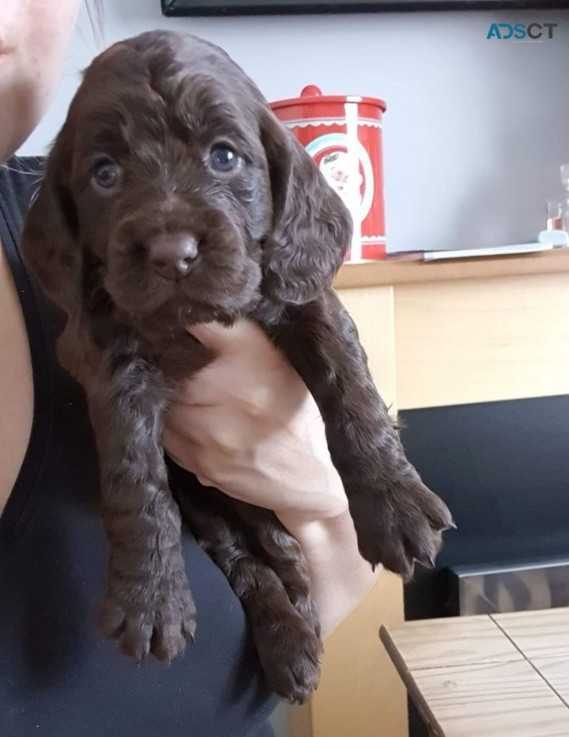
[[343, 136]]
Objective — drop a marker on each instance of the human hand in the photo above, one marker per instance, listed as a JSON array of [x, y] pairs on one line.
[[248, 425]]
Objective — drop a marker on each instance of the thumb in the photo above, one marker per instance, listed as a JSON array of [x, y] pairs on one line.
[[222, 339]]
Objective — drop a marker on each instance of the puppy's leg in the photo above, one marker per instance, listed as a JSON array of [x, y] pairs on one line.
[[148, 604], [284, 555], [284, 625], [397, 519]]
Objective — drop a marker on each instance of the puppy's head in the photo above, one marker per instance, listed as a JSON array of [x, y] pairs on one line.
[[174, 189]]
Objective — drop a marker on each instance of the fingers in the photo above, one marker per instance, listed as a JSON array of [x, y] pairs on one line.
[[245, 361], [222, 339]]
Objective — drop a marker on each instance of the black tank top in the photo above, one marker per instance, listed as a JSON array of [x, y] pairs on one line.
[[57, 677]]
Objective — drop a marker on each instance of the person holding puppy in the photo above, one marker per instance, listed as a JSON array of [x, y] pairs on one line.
[[57, 677]]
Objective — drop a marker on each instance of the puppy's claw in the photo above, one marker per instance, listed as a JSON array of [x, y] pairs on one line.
[[401, 526], [290, 656], [431, 561]]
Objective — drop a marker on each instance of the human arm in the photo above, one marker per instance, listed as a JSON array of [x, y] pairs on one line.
[[248, 425]]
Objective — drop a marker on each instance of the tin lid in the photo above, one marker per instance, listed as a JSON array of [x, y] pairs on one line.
[[311, 94]]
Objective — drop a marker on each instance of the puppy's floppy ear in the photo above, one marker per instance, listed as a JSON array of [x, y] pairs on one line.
[[312, 227], [49, 241]]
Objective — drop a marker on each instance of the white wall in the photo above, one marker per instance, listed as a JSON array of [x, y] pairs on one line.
[[475, 129]]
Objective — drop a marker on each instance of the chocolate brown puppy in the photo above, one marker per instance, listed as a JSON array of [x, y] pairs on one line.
[[172, 195]]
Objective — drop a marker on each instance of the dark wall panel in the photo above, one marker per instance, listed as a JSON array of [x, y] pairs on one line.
[[503, 468]]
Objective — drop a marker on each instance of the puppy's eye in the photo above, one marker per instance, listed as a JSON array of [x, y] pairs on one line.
[[222, 158], [106, 175]]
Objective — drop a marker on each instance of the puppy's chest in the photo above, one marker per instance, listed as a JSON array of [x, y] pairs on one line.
[[94, 346], [179, 357]]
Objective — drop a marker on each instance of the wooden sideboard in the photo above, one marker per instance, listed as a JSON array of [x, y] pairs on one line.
[[436, 334]]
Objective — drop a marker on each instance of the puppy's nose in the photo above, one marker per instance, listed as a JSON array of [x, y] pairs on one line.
[[172, 254]]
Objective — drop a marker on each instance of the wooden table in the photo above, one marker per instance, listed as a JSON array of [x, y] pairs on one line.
[[502, 675]]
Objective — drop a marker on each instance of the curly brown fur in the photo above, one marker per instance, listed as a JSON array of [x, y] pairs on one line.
[[138, 232]]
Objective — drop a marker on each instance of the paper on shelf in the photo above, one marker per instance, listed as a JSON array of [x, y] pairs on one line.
[[481, 252]]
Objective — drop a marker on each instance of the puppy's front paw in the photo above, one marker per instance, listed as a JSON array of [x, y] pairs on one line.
[[401, 525], [155, 616], [289, 652]]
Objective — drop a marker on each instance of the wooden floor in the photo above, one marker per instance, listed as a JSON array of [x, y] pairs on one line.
[[502, 675]]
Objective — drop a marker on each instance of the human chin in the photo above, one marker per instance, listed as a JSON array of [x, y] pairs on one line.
[[24, 100]]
